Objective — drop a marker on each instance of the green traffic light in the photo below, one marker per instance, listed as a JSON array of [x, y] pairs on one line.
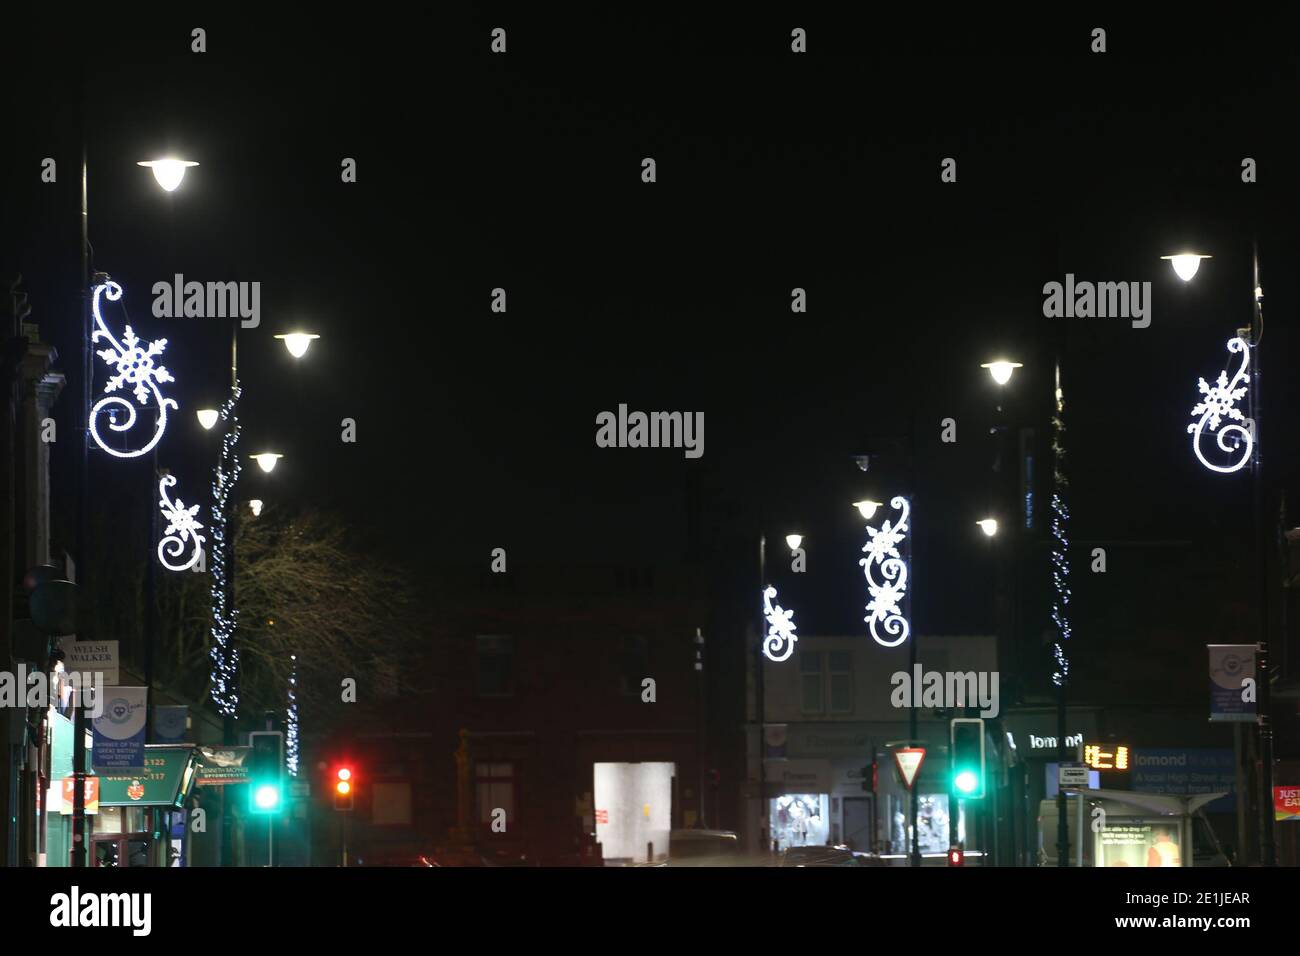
[[967, 781], [267, 797]]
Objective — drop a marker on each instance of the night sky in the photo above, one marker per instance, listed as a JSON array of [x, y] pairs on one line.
[[476, 430]]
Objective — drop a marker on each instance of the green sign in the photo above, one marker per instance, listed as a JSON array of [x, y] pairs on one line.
[[165, 780]]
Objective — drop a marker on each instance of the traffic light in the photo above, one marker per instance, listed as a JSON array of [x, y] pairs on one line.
[[956, 856], [967, 755], [266, 772], [344, 784]]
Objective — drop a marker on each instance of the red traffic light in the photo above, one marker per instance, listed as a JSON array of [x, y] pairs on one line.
[[956, 856]]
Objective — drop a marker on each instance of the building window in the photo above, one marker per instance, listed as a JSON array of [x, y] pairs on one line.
[[494, 789], [840, 664], [635, 664], [811, 681], [496, 666]]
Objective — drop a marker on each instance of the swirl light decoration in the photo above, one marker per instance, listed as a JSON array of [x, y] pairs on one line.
[[780, 640], [182, 530], [889, 586], [135, 369], [1219, 403], [225, 656]]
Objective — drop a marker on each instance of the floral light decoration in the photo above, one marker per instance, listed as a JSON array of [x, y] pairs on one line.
[[1219, 402], [780, 640], [886, 574], [182, 531], [135, 369]]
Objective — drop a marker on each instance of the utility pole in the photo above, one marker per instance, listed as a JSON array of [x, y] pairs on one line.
[[764, 842]]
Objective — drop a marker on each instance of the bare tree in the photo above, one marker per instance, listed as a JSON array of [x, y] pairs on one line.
[[304, 591]]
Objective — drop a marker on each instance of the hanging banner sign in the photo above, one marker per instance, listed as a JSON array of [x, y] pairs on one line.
[[1232, 682], [120, 729]]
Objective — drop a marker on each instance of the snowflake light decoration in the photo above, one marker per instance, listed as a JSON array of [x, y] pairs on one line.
[[182, 530], [780, 640], [889, 588], [134, 369], [1237, 437]]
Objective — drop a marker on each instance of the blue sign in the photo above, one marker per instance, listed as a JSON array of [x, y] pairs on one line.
[[119, 730], [170, 724], [1187, 770]]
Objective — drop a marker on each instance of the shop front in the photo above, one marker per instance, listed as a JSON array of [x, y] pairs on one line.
[[141, 818]]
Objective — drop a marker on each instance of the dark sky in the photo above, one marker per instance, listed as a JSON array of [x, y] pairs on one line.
[[476, 430]]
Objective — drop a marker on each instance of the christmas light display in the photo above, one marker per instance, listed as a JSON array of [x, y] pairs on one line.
[[1060, 543], [780, 640], [182, 530], [1219, 403], [887, 588], [291, 720], [134, 369], [224, 654]]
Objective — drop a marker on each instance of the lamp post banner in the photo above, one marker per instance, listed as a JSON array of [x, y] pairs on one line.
[[1232, 683], [119, 730]]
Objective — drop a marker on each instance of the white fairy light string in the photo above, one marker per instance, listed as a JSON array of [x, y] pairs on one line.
[[182, 530], [889, 587], [135, 369], [224, 654], [291, 720], [1219, 402], [1060, 543]]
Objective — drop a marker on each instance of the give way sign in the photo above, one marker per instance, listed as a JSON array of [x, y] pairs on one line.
[[909, 761]]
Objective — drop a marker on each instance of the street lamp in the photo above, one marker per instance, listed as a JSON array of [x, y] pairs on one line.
[[989, 526], [866, 508], [256, 507], [207, 418], [266, 460], [297, 342], [169, 172], [794, 540], [1001, 370], [1186, 264]]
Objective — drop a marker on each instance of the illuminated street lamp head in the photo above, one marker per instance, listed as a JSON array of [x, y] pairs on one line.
[[794, 540], [1186, 264], [168, 172], [208, 417], [988, 525], [266, 460], [297, 342], [256, 506], [866, 508], [1001, 370]]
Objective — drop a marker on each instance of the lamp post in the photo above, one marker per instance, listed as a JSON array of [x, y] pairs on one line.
[[1186, 266], [169, 174]]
